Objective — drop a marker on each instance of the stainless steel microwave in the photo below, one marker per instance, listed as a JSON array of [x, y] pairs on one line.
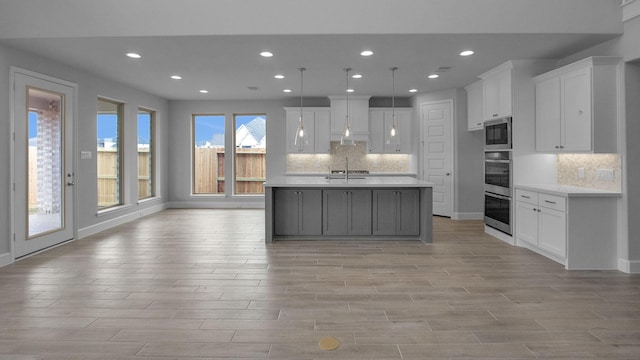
[[497, 134]]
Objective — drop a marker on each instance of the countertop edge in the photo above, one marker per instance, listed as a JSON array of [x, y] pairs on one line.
[[367, 182], [567, 191]]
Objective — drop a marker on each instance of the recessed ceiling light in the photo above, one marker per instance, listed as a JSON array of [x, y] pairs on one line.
[[266, 54], [466, 53], [204, 91], [433, 76], [286, 90], [366, 53], [134, 55], [413, 90], [279, 76], [176, 77], [350, 90], [357, 76]]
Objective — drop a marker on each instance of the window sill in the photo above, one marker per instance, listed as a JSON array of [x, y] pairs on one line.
[[112, 209], [148, 199]]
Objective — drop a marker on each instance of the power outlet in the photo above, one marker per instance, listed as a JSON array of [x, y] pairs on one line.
[[605, 174], [580, 173]]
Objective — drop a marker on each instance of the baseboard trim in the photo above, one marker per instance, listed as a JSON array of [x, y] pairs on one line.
[[216, 205], [467, 216], [499, 235], [629, 266], [108, 224], [6, 259]]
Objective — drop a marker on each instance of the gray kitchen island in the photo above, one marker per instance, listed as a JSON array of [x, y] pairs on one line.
[[372, 207]]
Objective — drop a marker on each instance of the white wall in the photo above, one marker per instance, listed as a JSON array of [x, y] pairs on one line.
[[90, 88], [468, 172]]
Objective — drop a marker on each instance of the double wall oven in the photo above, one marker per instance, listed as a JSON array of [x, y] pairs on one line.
[[498, 175]]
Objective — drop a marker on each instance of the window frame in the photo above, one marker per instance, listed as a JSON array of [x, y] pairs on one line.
[[120, 135], [234, 159], [193, 156], [152, 153]]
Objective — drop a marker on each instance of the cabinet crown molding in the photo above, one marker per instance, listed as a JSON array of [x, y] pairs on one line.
[[503, 67], [589, 61]]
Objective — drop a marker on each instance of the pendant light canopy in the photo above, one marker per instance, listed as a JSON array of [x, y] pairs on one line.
[[393, 137], [302, 136], [347, 136]]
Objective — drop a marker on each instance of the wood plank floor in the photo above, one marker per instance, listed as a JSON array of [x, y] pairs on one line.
[[201, 284]]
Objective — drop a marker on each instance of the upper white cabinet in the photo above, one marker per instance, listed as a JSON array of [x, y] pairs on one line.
[[317, 122], [576, 107], [496, 92], [380, 120], [358, 116], [474, 106]]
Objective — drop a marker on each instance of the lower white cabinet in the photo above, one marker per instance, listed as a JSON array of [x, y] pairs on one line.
[[578, 230]]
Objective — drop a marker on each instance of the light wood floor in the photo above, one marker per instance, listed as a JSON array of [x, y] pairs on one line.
[[201, 284]]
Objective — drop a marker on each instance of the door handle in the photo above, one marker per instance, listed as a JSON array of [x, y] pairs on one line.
[[448, 174], [70, 183]]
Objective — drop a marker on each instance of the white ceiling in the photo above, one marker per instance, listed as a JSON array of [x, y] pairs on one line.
[[227, 64]]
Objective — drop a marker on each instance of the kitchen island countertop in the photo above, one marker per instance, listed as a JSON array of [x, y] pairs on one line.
[[355, 181]]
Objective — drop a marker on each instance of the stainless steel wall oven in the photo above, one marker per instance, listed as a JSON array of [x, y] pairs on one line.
[[498, 178]]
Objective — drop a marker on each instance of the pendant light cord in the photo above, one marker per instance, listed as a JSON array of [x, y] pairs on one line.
[[301, 88]]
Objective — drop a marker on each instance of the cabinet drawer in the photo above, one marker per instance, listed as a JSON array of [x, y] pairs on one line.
[[527, 196], [552, 202]]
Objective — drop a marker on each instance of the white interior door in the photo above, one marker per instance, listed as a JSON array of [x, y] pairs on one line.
[[437, 153], [42, 162]]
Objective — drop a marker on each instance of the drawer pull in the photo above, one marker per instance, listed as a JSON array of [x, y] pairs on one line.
[[550, 202], [525, 196]]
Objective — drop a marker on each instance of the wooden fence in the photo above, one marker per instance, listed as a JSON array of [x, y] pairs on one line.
[[208, 166]]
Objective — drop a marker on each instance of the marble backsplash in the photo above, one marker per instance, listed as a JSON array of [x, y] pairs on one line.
[[359, 159], [569, 166]]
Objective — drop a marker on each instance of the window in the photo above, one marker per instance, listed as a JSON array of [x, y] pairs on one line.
[[208, 154], [250, 154], [109, 154], [146, 158]]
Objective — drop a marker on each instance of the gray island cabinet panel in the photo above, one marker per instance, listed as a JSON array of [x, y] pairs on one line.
[[298, 212], [347, 212], [396, 212]]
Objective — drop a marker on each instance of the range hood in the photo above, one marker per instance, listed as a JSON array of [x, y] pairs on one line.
[[358, 117]]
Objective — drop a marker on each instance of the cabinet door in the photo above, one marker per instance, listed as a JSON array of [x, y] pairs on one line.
[[403, 128], [322, 129], [292, 126], [376, 132], [408, 212], [490, 94], [286, 212], [335, 212], [552, 231], [576, 110], [548, 115], [504, 93], [310, 212], [527, 223], [359, 206], [474, 106], [384, 212]]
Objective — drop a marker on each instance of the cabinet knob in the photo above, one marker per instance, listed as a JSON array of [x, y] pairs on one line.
[[495, 115], [478, 123], [557, 147], [448, 174], [579, 112], [561, 147]]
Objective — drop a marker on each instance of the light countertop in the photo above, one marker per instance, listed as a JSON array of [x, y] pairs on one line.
[[355, 181], [567, 191]]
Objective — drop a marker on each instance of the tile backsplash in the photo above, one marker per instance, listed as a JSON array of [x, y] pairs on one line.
[[591, 171], [359, 159]]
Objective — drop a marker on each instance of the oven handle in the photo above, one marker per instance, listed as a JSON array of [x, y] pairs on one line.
[[497, 161], [497, 196]]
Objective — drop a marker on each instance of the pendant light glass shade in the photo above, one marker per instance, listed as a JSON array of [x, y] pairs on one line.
[[393, 135], [302, 136], [347, 136]]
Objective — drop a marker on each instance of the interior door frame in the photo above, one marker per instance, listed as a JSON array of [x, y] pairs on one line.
[[452, 129], [12, 166]]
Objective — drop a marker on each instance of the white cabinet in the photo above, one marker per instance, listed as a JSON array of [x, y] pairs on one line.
[[578, 231], [317, 122], [380, 120], [496, 92], [474, 106], [358, 116], [541, 222], [576, 107]]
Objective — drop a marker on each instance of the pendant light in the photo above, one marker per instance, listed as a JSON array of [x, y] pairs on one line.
[[302, 136], [347, 136], [393, 128]]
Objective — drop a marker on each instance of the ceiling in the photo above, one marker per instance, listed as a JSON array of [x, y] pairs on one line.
[[229, 65]]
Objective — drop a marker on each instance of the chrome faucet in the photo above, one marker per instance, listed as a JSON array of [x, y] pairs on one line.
[[346, 168]]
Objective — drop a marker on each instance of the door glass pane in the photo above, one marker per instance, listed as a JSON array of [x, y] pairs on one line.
[[109, 154], [208, 154], [45, 170], [145, 154], [251, 152]]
